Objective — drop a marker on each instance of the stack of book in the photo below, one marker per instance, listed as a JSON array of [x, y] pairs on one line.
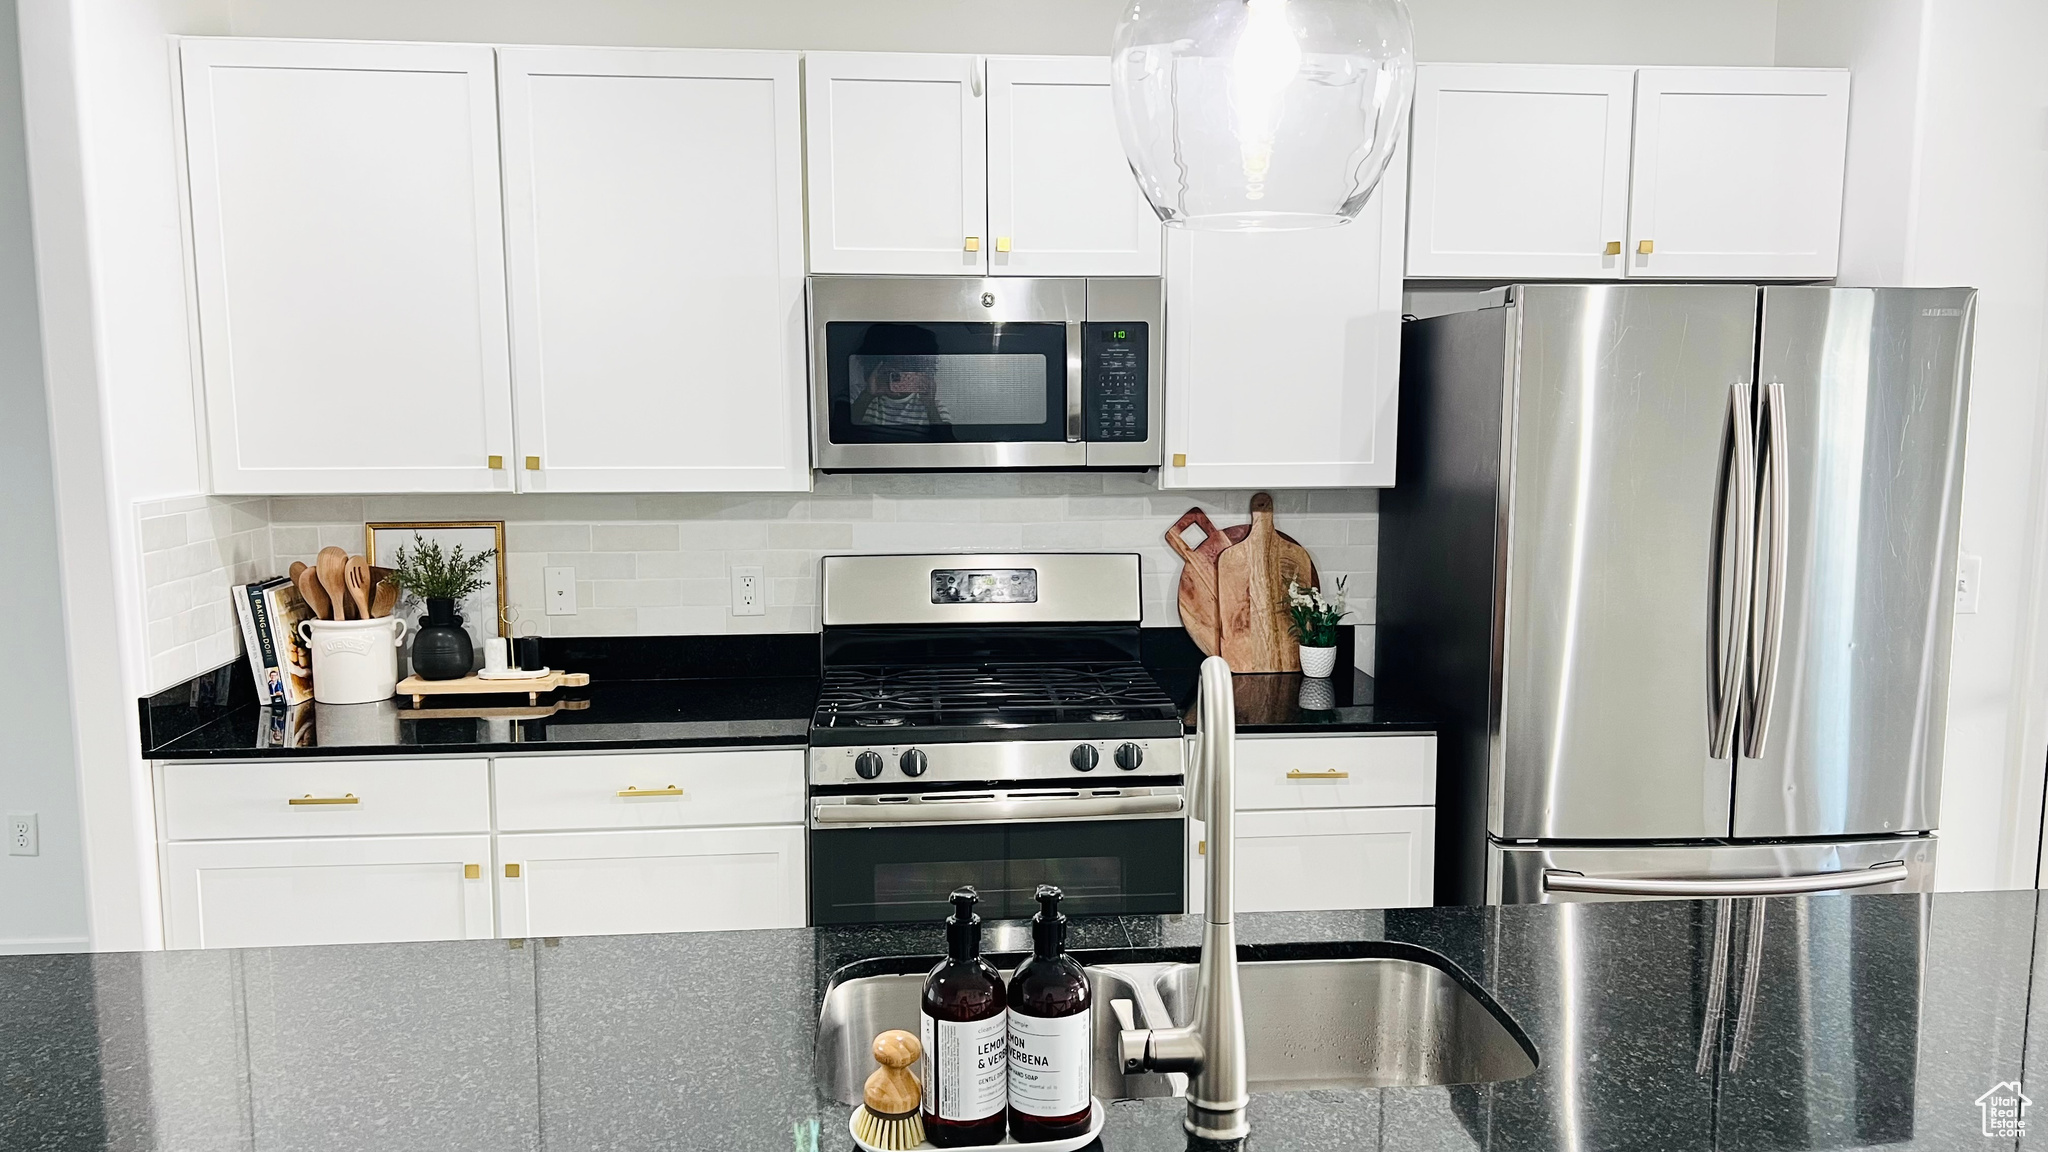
[[270, 611]]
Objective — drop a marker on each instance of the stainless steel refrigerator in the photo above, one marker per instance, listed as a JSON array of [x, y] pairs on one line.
[[1677, 565]]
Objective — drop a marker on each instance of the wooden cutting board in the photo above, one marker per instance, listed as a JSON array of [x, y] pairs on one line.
[[1198, 599], [1251, 595]]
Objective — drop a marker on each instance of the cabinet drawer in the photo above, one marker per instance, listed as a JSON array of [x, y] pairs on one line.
[[547, 793], [1336, 772], [376, 798]]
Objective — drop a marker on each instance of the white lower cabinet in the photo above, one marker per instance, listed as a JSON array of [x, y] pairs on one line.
[[265, 893], [670, 880], [1317, 859]]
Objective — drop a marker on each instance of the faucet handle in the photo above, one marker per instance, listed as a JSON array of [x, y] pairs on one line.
[[1131, 1040]]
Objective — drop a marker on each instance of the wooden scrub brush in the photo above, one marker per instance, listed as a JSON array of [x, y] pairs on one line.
[[888, 1114]]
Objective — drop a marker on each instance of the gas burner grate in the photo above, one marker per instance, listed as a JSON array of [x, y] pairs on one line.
[[998, 694]]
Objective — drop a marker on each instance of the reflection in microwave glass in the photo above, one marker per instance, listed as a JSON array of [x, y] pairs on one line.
[[997, 388]]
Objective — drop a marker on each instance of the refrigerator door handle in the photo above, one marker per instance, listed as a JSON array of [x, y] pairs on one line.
[[1726, 640], [1767, 641], [1561, 880]]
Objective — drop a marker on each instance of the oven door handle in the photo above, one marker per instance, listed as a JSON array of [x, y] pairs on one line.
[[983, 811]]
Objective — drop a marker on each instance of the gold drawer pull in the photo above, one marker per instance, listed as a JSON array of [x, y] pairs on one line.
[[1002, 243], [511, 871], [671, 790], [1332, 774], [972, 244], [1645, 247], [309, 798], [1613, 248], [472, 871]]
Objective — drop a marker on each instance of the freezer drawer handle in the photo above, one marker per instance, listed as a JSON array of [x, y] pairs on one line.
[[1560, 880]]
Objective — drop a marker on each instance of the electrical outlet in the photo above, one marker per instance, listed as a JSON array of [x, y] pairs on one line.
[[749, 598], [558, 587], [1969, 579], [22, 839]]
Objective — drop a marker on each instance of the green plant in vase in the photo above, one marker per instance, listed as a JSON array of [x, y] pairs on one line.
[[1314, 617], [440, 579]]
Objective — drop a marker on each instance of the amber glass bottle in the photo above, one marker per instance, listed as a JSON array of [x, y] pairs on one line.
[[966, 1066], [1051, 1043]]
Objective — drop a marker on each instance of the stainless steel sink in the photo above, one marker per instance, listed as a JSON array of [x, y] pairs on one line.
[[1364, 1022], [1398, 1015], [859, 1008]]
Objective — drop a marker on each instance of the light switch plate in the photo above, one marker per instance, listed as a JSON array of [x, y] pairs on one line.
[[749, 597], [559, 590], [1969, 579]]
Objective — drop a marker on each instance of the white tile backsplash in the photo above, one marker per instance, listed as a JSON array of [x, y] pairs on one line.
[[658, 564], [194, 550]]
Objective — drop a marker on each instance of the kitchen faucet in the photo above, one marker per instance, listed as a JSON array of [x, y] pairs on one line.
[[1210, 1047]]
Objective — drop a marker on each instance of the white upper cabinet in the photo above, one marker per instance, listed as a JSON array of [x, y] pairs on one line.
[[654, 242], [1061, 198], [1284, 352], [1519, 171], [1738, 172], [896, 143], [348, 254]]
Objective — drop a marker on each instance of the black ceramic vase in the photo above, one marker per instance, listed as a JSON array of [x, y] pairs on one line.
[[441, 649]]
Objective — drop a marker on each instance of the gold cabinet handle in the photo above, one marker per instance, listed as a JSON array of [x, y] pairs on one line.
[[1002, 243], [511, 871], [973, 244], [497, 462], [1645, 247], [1180, 459], [1332, 774], [472, 871], [1201, 847], [533, 463], [1613, 248], [309, 798], [671, 790]]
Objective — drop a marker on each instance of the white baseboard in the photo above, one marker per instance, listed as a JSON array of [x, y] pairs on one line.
[[33, 945]]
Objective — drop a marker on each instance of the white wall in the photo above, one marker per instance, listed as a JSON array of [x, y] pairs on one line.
[[1948, 184], [42, 897]]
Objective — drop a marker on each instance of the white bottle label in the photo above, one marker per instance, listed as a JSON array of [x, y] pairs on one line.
[[1051, 1064], [965, 1066]]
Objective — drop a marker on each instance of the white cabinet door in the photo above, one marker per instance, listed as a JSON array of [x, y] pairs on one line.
[[1284, 352], [1519, 171], [1322, 859], [349, 257], [690, 880], [654, 239], [266, 893], [1061, 198], [1738, 172], [898, 162]]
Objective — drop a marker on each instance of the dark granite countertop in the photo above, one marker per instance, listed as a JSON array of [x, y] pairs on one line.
[[675, 692], [1862, 1022]]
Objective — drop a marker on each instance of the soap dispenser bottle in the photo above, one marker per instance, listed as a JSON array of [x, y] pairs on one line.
[[965, 1033], [1051, 1043]]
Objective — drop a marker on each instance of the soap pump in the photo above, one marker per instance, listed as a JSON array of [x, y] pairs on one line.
[[1051, 1041], [966, 1041]]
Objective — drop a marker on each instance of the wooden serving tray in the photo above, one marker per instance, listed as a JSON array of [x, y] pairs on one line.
[[420, 689]]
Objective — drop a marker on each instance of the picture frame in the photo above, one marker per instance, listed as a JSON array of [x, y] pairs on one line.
[[382, 540]]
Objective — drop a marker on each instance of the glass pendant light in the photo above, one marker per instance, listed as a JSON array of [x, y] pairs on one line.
[[1261, 115]]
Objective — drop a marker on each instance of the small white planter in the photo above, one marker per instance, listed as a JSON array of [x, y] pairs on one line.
[[1317, 662]]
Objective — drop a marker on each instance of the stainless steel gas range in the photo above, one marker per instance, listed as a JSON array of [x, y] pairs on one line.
[[985, 720]]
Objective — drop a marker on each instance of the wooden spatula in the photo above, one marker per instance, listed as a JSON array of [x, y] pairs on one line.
[[357, 573], [332, 565], [315, 596]]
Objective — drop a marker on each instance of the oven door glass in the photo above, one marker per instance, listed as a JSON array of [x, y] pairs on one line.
[[1104, 867], [946, 383]]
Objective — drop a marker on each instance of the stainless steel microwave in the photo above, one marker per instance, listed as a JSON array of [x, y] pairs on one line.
[[962, 372]]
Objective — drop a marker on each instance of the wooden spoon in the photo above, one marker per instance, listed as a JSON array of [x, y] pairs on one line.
[[297, 567], [357, 573], [386, 596], [332, 564], [316, 596]]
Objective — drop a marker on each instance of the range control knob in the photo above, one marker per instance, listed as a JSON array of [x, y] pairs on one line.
[[913, 763], [868, 765], [1084, 757], [1129, 756]]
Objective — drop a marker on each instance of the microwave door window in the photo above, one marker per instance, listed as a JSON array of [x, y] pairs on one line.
[[946, 383]]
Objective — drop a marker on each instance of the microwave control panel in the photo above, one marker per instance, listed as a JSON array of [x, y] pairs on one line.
[[1113, 375]]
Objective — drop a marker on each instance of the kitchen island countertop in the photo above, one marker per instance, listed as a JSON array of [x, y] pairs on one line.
[[1856, 1022]]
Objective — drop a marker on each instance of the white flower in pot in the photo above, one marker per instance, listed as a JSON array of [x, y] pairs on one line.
[[1316, 616]]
